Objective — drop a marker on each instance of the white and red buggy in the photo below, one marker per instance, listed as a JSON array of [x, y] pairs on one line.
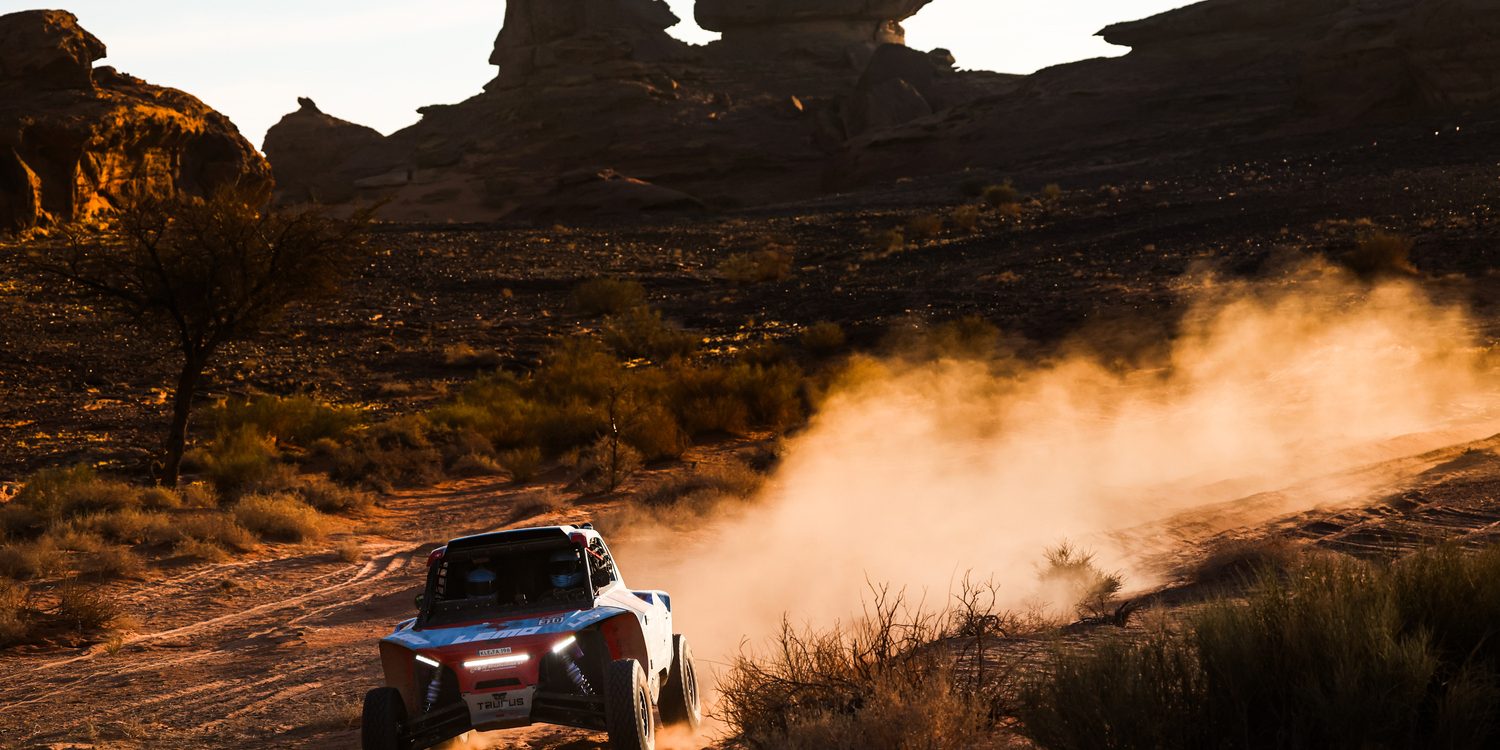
[[496, 645]]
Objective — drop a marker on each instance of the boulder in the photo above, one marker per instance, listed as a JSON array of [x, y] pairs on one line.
[[318, 158], [47, 49], [76, 142], [546, 41]]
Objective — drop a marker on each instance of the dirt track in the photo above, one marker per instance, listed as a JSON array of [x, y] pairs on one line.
[[275, 650]]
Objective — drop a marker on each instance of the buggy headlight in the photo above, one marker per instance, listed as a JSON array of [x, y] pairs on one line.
[[428, 661], [563, 644], [498, 661]]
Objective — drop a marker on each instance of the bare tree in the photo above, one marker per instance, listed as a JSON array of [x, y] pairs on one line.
[[204, 272]]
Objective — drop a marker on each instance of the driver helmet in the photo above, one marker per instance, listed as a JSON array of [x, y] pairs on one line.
[[480, 582], [565, 570]]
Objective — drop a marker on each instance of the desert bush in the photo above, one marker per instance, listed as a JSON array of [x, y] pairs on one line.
[[328, 496], [16, 614], [34, 559], [115, 561], [18, 521], [880, 683], [1333, 653], [1381, 254], [770, 263], [85, 609], [160, 498], [76, 537], [296, 420], [1004, 194], [642, 333], [523, 464], [653, 431], [732, 398], [349, 551], [396, 452], [598, 297], [1052, 192], [238, 459], [61, 493], [1238, 562], [969, 337], [965, 217], [1073, 581], [279, 518], [608, 463], [822, 339], [137, 526], [198, 495], [889, 241], [924, 226]]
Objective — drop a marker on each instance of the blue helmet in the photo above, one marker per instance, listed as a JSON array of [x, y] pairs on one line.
[[480, 582], [565, 570]]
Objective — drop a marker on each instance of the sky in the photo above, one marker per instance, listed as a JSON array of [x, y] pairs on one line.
[[375, 61]]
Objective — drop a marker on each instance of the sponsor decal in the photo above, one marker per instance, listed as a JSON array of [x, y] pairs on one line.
[[558, 620]]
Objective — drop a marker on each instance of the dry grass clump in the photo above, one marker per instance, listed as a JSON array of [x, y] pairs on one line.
[[218, 529], [890, 681], [288, 420], [535, 504], [199, 495], [704, 488], [999, 196], [1336, 653], [1052, 192], [476, 465], [137, 526], [598, 297], [466, 356], [17, 616], [349, 550], [330, 497], [281, 518], [115, 561], [198, 549], [965, 217], [770, 263], [54, 495], [33, 559], [924, 226], [85, 609], [969, 337], [1379, 253]]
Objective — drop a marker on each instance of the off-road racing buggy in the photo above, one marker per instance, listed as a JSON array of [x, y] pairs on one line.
[[531, 626]]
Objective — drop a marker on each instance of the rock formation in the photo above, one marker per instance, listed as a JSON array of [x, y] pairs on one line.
[[578, 41], [318, 158], [76, 140], [829, 28]]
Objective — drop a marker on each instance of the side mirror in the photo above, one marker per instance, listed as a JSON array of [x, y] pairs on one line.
[[421, 597]]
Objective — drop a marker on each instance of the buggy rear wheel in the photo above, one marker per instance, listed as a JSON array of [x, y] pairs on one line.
[[679, 696], [627, 707], [383, 720]]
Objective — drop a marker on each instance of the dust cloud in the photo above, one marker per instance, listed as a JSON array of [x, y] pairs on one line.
[[914, 474]]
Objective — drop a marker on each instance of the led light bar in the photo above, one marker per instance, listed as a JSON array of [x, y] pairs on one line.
[[427, 661], [564, 643], [498, 661]]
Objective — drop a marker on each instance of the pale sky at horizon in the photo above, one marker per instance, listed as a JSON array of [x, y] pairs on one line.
[[375, 61]]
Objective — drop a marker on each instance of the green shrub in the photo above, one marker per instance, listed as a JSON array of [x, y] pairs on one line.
[[239, 459], [642, 333], [607, 297], [296, 420], [280, 518]]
